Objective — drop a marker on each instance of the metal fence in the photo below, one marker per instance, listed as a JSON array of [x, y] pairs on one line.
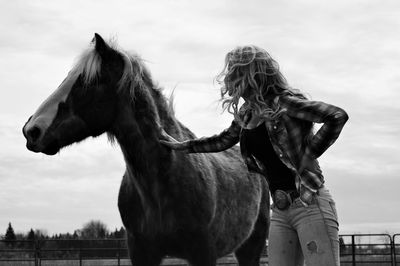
[[367, 249], [396, 249], [64, 252], [356, 249]]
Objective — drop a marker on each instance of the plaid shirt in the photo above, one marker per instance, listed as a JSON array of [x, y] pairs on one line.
[[287, 138]]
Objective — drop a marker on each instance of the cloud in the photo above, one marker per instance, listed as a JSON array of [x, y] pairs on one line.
[[363, 200], [62, 192], [341, 52]]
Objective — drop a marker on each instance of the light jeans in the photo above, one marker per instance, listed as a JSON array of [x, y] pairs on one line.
[[305, 233]]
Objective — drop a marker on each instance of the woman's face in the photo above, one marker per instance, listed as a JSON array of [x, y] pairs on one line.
[[234, 83]]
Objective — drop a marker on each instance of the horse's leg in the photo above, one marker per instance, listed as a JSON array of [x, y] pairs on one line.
[[202, 252], [249, 253], [203, 259], [143, 253]]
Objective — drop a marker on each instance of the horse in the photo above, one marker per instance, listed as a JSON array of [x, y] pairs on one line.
[[198, 207]]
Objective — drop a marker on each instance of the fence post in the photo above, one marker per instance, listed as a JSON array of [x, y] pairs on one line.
[[353, 250], [35, 250], [394, 250], [80, 252], [118, 252]]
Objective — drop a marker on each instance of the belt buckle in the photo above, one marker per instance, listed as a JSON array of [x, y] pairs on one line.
[[282, 200]]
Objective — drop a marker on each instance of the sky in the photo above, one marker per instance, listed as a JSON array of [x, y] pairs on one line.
[[341, 52]]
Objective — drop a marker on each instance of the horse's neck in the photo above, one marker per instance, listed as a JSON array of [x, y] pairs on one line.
[[137, 132], [147, 162], [138, 143]]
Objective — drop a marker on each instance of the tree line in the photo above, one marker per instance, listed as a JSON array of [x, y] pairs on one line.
[[93, 229]]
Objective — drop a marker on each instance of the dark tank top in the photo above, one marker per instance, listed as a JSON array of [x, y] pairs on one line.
[[259, 145]]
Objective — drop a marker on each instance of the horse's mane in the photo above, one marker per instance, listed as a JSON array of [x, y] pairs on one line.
[[134, 72], [136, 78]]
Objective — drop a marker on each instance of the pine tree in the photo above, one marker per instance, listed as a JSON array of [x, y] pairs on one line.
[[121, 233], [31, 235], [10, 235]]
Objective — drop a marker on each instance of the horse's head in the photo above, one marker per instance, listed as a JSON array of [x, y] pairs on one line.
[[83, 105]]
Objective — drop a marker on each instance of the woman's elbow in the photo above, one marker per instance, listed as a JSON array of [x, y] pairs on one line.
[[341, 115]]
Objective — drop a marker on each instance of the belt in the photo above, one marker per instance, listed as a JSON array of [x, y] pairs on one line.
[[283, 199]]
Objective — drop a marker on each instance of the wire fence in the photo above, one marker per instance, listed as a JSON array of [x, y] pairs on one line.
[[355, 249]]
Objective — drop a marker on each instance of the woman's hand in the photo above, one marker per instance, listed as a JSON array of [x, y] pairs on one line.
[[176, 145], [172, 143]]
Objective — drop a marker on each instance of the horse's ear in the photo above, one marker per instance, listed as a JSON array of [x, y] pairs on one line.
[[100, 45]]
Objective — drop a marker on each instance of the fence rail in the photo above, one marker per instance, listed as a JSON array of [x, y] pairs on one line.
[[396, 249], [356, 249], [367, 249]]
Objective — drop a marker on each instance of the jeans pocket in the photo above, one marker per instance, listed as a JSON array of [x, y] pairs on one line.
[[333, 208], [327, 208]]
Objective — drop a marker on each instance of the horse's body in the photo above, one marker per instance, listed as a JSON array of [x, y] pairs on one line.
[[193, 206]]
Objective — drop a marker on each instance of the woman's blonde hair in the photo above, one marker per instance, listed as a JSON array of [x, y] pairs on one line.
[[251, 71]]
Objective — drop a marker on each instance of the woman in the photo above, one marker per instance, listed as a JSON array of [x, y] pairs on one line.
[[275, 129]]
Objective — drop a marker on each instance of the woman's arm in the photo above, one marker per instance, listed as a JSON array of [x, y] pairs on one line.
[[216, 143], [332, 117]]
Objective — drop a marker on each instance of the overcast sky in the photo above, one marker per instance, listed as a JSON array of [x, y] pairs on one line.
[[342, 52]]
